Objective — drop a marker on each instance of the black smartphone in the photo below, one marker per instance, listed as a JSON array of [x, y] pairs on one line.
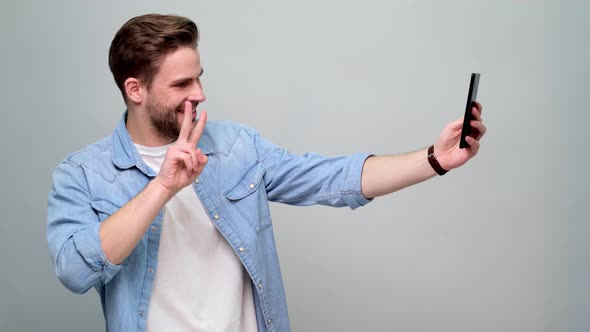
[[471, 97]]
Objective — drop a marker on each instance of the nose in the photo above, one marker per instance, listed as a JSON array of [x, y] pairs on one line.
[[196, 95]]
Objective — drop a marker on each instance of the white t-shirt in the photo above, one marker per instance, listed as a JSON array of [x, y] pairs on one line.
[[200, 284]]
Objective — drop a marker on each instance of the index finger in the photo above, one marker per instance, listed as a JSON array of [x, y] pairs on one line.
[[478, 106], [199, 128], [186, 122]]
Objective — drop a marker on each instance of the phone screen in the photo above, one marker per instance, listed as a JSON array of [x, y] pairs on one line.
[[471, 97]]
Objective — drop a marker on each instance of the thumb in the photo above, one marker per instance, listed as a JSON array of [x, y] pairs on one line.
[[456, 124]]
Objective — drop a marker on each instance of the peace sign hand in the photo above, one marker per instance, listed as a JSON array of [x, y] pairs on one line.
[[184, 162]]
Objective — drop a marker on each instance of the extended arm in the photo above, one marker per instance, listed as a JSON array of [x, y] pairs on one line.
[[386, 174]]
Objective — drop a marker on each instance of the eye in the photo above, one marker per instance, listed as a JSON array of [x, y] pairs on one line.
[[181, 84]]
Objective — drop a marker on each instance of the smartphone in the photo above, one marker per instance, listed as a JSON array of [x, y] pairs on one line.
[[471, 97]]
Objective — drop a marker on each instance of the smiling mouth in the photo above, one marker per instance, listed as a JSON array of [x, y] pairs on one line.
[[181, 110]]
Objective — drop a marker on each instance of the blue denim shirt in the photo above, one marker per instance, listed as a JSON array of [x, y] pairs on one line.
[[91, 184]]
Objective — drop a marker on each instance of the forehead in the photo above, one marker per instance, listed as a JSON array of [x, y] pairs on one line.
[[183, 62]]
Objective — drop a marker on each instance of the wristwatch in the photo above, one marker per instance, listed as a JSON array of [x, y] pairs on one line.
[[434, 163]]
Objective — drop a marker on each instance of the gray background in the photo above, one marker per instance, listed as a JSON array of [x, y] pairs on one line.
[[498, 245]]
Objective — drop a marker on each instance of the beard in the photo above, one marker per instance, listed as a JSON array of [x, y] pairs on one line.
[[164, 119]]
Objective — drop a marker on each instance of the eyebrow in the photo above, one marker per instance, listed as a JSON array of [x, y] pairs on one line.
[[180, 80]]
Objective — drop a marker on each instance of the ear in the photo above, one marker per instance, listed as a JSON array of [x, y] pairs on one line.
[[134, 90]]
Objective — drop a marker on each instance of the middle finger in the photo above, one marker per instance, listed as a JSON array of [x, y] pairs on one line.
[[199, 128]]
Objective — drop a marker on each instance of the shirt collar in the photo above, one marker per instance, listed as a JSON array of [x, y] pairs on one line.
[[125, 154]]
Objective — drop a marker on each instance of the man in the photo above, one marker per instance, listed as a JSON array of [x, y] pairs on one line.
[[168, 217]]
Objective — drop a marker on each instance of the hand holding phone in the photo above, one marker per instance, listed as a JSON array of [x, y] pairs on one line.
[[471, 98]]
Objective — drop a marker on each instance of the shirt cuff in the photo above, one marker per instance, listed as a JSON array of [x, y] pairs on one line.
[[352, 192], [87, 242]]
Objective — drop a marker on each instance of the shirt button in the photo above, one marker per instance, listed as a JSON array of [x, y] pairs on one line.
[[154, 228], [141, 314], [150, 270], [216, 217], [269, 321], [242, 249], [197, 181], [251, 185], [260, 286]]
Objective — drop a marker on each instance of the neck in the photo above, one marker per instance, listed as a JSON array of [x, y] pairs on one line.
[[141, 130]]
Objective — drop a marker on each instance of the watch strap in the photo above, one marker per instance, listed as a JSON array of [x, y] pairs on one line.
[[434, 163]]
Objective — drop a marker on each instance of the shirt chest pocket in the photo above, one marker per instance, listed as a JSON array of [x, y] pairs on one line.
[[246, 196], [105, 209]]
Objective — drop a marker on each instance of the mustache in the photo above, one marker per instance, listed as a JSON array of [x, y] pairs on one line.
[[194, 105]]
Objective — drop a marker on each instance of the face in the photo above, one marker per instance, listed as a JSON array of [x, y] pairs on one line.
[[177, 81]]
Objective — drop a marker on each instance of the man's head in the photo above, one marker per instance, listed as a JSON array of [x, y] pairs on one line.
[[142, 42], [156, 65]]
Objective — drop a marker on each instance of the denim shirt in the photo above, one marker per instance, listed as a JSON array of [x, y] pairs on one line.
[[243, 174]]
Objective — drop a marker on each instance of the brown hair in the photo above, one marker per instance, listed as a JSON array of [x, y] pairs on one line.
[[142, 42]]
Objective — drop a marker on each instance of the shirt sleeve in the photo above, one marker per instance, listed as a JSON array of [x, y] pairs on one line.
[[311, 178], [73, 232]]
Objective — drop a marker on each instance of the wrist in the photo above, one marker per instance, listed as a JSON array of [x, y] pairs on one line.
[[160, 189], [434, 162]]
